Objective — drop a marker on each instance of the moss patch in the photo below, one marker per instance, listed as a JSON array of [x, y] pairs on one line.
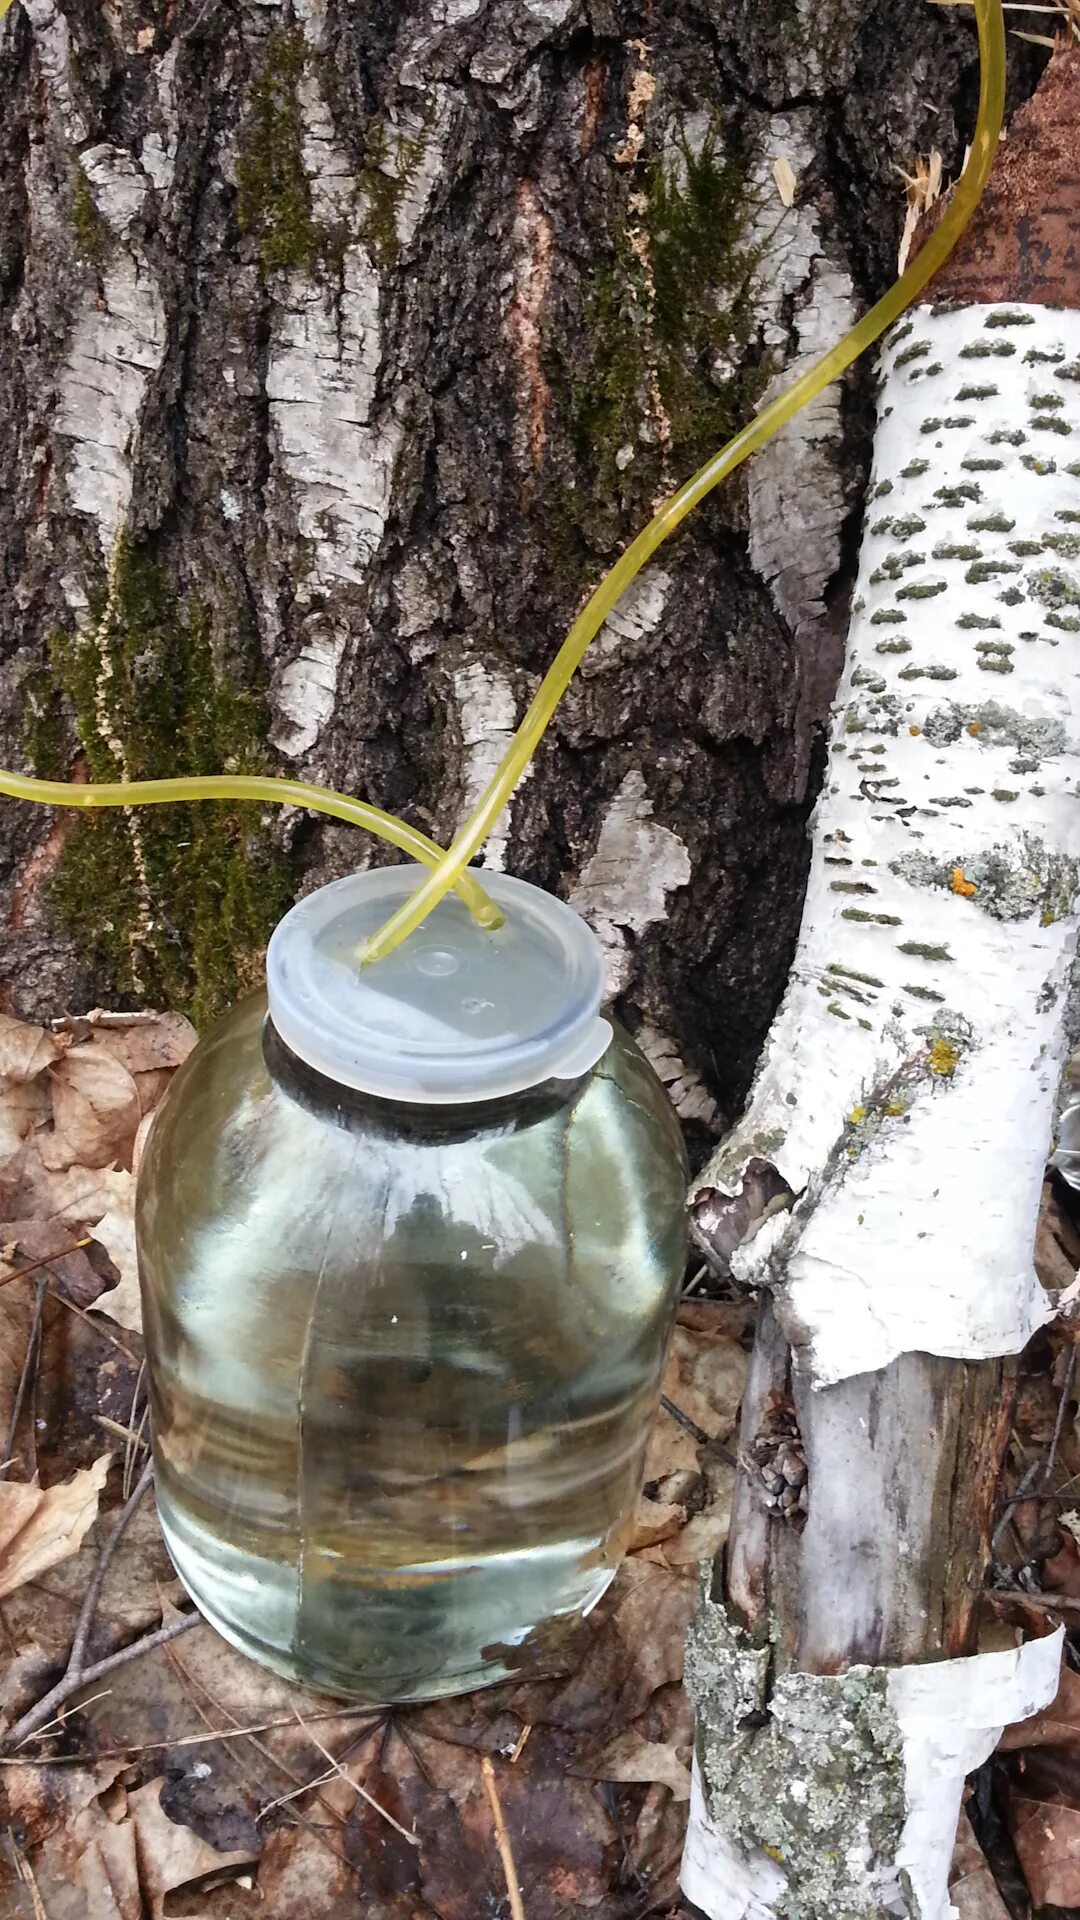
[[274, 194], [214, 886], [90, 229], [699, 312]]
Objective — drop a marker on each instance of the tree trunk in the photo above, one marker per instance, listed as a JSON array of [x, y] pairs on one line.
[[884, 1181], [350, 343]]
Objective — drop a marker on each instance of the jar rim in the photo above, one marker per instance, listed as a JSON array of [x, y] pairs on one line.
[[455, 1015]]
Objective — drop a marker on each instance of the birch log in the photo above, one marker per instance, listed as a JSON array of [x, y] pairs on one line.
[[883, 1184]]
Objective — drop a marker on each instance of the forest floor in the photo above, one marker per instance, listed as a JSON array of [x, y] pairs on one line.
[[150, 1772]]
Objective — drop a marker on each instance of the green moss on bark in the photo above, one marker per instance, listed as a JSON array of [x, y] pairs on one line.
[[666, 314], [274, 194], [188, 930]]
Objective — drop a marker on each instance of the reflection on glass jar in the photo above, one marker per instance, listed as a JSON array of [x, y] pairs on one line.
[[403, 1356]]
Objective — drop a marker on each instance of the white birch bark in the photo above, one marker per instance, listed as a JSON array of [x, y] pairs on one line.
[[852, 1805], [906, 1093]]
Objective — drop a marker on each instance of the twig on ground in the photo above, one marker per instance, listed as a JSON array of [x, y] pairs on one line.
[[502, 1840], [29, 1360], [193, 1686], [26, 1874], [93, 1592], [21, 1273], [1066, 1391], [73, 1683], [1011, 1505], [519, 1745], [405, 1832], [697, 1433]]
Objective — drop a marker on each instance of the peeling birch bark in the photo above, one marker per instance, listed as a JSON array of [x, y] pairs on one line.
[[849, 1806], [926, 1021]]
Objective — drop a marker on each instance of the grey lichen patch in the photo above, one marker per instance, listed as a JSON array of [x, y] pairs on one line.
[[1004, 795], [1065, 545], [851, 886], [1015, 880], [1044, 468], [950, 422], [888, 617], [838, 1012], [981, 570], [1025, 549], [882, 490], [1071, 372], [1052, 587], [978, 622], [809, 1768], [987, 391], [1009, 318], [1050, 402], [915, 469], [974, 464], [860, 915], [1069, 515], [1043, 356], [1049, 423], [923, 993], [1065, 622], [956, 550], [1007, 437], [893, 646], [996, 725], [994, 663]]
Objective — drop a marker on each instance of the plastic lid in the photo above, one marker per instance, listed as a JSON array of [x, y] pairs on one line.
[[455, 1014]]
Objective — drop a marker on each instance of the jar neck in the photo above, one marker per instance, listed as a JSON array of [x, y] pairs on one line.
[[348, 1107]]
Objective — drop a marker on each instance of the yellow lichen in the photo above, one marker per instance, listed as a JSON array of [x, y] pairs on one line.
[[896, 1108], [856, 1114], [974, 728], [962, 885], [915, 732], [944, 1057]]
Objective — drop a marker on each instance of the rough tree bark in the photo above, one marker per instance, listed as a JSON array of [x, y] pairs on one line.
[[353, 341], [884, 1181]]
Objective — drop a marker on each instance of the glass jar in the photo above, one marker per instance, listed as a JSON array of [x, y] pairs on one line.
[[410, 1243]]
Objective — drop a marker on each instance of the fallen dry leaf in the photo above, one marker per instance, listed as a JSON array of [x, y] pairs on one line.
[[74, 1271], [972, 1888], [26, 1051], [144, 1045], [1045, 1827], [632, 1758], [96, 1109], [171, 1856], [116, 1233], [41, 1526]]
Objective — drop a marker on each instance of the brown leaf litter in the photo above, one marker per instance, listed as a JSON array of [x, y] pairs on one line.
[[184, 1782]]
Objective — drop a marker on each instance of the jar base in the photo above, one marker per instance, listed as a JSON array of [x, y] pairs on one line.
[[398, 1673]]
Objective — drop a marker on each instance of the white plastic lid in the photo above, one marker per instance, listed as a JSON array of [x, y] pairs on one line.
[[455, 1014]]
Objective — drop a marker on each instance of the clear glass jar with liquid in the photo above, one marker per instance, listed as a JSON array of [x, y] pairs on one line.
[[411, 1238]]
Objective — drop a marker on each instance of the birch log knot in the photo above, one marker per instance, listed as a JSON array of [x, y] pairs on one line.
[[917, 1053]]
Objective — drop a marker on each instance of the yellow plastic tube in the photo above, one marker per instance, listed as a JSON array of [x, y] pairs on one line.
[[239, 786], [674, 511], [449, 870]]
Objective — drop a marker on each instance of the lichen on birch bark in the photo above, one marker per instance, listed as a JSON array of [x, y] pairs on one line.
[[945, 870]]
